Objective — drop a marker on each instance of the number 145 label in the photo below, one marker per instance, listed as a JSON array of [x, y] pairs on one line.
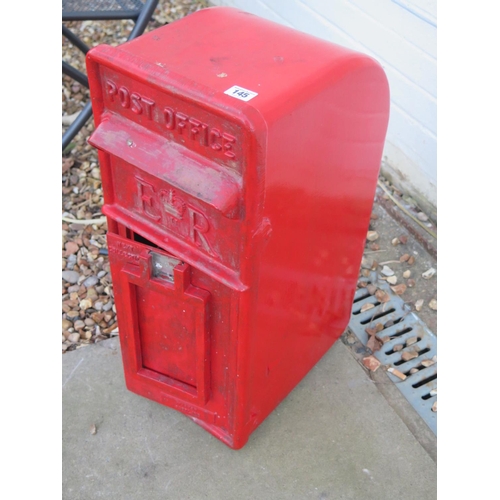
[[240, 93]]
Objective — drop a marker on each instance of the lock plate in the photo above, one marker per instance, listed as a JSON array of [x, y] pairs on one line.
[[163, 266]]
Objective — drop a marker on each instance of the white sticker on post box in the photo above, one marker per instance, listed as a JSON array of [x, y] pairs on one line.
[[240, 93]]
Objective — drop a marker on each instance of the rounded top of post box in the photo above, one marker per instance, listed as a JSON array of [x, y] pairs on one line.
[[236, 62]]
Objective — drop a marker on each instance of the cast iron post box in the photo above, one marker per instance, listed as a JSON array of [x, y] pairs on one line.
[[239, 162]]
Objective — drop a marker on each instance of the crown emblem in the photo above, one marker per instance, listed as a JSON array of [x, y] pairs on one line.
[[173, 204]]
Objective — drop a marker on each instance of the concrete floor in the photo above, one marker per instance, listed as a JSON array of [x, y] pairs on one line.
[[334, 437]]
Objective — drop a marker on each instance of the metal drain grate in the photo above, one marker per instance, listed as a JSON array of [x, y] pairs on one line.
[[401, 326]]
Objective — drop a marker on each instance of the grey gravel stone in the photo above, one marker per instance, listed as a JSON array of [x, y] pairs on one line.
[[91, 281], [70, 276], [108, 305], [387, 271]]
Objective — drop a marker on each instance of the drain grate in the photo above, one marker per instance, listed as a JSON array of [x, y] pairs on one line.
[[409, 347]]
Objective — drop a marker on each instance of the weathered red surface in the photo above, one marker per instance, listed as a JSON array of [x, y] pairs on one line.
[[265, 204]]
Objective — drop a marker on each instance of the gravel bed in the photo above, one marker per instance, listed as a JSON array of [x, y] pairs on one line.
[[88, 310]]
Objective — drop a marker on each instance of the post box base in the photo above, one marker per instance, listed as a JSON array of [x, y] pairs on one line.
[[204, 418]]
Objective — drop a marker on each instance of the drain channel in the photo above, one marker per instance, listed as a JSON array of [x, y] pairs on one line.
[[409, 347]]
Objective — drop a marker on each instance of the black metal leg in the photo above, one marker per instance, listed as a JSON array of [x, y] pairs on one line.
[[75, 127], [74, 39], [143, 19], [80, 77]]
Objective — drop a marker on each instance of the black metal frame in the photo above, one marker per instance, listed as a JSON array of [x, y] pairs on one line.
[[141, 16]]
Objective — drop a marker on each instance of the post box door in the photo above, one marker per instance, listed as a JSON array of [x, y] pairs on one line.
[[163, 319]]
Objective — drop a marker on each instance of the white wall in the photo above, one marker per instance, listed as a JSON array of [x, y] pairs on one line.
[[401, 35]]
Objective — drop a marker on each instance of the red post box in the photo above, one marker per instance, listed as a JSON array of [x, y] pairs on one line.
[[239, 163]]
